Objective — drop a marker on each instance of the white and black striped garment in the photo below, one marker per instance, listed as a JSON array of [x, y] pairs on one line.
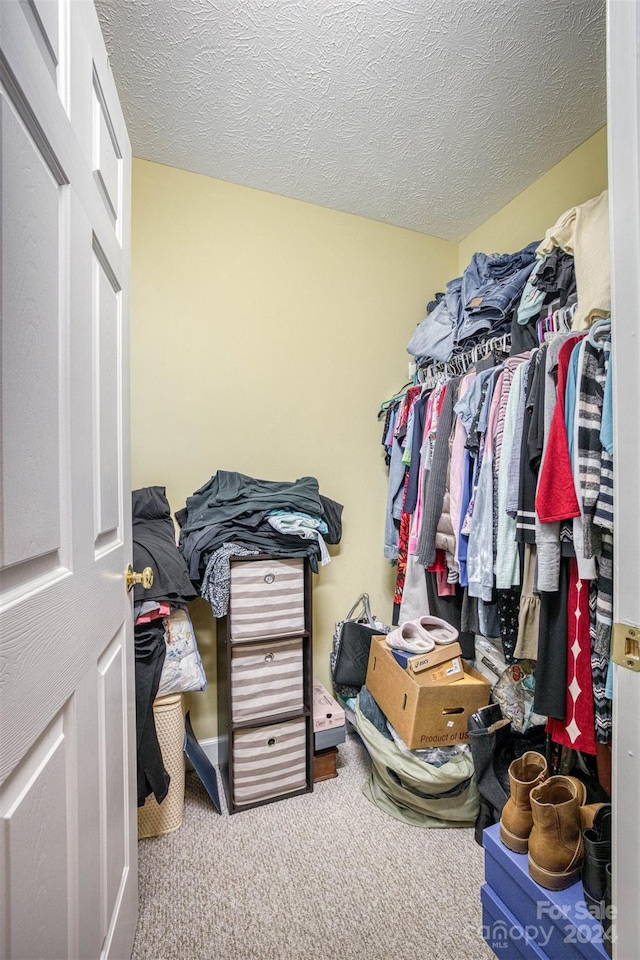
[[596, 481], [589, 412]]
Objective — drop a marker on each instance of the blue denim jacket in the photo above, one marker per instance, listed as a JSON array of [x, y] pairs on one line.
[[490, 286]]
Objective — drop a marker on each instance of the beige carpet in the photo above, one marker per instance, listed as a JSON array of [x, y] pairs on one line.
[[326, 876]]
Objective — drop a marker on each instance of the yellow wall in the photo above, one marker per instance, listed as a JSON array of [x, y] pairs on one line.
[[580, 176], [265, 332]]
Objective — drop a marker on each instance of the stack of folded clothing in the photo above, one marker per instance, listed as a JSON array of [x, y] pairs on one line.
[[237, 515], [511, 291], [478, 304]]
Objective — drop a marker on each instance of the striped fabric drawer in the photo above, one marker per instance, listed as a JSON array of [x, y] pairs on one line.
[[267, 598], [266, 678], [269, 761]]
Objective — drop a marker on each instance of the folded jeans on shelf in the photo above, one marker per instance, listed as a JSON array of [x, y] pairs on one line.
[[490, 286]]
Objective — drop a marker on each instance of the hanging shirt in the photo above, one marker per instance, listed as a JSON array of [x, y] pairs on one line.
[[507, 566], [606, 430], [556, 496], [586, 565], [457, 464], [415, 433], [416, 518], [480, 550], [525, 520], [548, 534], [408, 441], [437, 479], [513, 468], [570, 397], [590, 398]]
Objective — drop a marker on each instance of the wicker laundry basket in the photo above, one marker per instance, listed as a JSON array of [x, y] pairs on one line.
[[155, 819]]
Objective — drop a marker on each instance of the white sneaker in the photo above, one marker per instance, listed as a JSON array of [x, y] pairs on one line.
[[411, 637]]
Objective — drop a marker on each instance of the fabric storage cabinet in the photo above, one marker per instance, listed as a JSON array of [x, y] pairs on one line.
[[267, 598], [265, 720], [269, 761], [266, 678]]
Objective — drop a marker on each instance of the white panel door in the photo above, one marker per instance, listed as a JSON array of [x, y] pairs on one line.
[[68, 881]]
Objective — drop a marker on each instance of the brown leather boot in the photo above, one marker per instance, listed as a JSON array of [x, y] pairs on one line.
[[556, 850], [516, 821]]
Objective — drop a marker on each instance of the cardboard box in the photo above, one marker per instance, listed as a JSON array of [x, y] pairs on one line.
[[423, 714], [417, 662], [448, 672], [327, 712]]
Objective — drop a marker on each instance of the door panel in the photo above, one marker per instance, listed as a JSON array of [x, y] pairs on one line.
[[107, 158], [33, 812], [106, 326], [32, 330], [91, 931], [43, 18], [67, 702], [113, 823]]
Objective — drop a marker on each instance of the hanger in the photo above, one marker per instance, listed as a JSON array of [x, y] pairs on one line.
[[460, 363], [384, 406], [599, 331]]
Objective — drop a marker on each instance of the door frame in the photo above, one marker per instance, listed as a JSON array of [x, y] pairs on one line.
[[623, 93]]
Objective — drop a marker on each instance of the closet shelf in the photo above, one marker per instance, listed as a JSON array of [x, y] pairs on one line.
[[273, 718], [271, 639]]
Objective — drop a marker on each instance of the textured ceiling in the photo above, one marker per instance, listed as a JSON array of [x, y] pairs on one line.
[[429, 114]]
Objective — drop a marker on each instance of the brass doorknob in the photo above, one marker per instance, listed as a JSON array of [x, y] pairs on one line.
[[145, 578]]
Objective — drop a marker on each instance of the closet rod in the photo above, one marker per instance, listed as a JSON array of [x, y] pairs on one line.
[[460, 363]]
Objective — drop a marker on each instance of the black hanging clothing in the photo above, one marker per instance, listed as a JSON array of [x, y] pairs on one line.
[[526, 528], [524, 336], [536, 427], [469, 613], [557, 276], [154, 545], [332, 516], [150, 651], [508, 610], [551, 669]]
